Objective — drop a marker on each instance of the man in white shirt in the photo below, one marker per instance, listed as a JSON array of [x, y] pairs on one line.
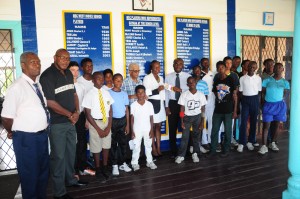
[[250, 87], [25, 117], [178, 81], [207, 76]]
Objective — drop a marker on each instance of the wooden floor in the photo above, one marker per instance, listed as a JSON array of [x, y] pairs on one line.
[[241, 175]]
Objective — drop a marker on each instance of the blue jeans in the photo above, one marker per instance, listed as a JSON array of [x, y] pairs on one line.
[[32, 156]]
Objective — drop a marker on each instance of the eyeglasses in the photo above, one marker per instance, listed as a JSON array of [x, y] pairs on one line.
[[63, 58], [135, 71]]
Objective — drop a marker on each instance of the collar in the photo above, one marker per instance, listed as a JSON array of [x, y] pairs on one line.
[[29, 79]]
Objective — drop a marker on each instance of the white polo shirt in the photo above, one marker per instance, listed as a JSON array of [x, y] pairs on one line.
[[250, 85], [192, 102], [91, 101], [23, 105]]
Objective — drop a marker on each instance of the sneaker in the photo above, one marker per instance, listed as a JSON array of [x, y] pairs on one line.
[[135, 167], [240, 148], [106, 173], [87, 172], [273, 146], [179, 159], [191, 149], [125, 167], [115, 170], [203, 150], [256, 144], [195, 157], [151, 165], [263, 149], [219, 148], [100, 177], [250, 146], [234, 142]]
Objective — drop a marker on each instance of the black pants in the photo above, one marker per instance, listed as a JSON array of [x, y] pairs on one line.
[[173, 120], [118, 141], [81, 146]]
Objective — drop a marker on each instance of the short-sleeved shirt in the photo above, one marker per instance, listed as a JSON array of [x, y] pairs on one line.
[[87, 84], [192, 102], [275, 89], [121, 101], [23, 105], [91, 101], [233, 75], [80, 93], [250, 85], [202, 87], [59, 88], [141, 115], [129, 87], [224, 100]]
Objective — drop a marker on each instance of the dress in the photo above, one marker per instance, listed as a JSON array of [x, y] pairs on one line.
[[156, 98]]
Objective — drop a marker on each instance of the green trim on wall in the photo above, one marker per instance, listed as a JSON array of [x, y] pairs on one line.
[[240, 32], [16, 28]]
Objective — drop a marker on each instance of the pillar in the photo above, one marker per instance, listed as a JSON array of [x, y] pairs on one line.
[[293, 187]]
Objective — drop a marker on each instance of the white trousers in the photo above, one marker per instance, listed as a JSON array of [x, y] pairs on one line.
[[137, 149]]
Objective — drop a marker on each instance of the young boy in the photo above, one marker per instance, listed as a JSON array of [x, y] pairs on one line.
[[141, 128], [120, 125], [250, 87], [224, 89], [97, 105], [274, 108], [192, 105], [108, 79]]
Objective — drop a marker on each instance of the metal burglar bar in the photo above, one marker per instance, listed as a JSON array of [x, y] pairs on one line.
[[259, 48], [7, 76]]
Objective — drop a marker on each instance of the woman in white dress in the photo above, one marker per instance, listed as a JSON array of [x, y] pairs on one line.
[[155, 91]]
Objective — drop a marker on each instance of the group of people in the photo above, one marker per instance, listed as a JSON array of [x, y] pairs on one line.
[[62, 106]]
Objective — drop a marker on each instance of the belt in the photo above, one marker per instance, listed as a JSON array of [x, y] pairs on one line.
[[97, 119], [42, 131]]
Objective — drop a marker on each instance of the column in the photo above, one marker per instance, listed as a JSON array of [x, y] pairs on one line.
[[293, 188]]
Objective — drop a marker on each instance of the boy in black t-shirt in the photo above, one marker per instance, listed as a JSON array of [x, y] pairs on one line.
[[225, 108]]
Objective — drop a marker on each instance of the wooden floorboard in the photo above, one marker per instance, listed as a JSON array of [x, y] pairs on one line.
[[244, 175]]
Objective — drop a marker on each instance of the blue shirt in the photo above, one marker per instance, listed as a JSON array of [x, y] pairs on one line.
[[202, 87], [129, 87], [119, 106], [275, 89]]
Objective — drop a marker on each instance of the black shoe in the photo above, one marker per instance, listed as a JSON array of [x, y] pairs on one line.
[[79, 184], [224, 155], [211, 155], [66, 196], [100, 176], [106, 173]]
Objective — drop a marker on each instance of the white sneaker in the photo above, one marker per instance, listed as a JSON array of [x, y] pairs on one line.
[[179, 159], [125, 167], [135, 167], [250, 146], [191, 149], [203, 150], [233, 142], [273, 146], [151, 165], [195, 157], [263, 149], [256, 144], [240, 148], [115, 170]]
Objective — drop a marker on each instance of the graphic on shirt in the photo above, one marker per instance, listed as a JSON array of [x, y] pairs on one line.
[[64, 88], [192, 104], [223, 90]]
